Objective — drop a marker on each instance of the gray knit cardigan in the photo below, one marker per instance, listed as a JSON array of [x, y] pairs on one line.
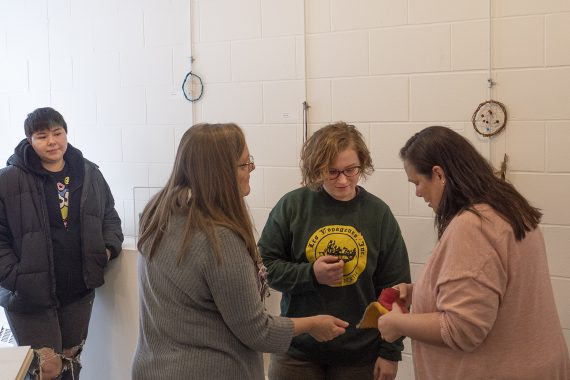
[[203, 319]]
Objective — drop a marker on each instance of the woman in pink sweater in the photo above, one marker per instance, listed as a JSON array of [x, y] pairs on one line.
[[483, 308]]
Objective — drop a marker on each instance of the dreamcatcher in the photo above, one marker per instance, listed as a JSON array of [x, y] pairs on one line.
[[190, 83], [490, 117]]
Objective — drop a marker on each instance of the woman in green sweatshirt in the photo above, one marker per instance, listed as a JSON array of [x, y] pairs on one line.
[[331, 247]]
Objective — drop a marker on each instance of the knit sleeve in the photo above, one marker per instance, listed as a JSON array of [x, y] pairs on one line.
[[233, 285], [471, 283]]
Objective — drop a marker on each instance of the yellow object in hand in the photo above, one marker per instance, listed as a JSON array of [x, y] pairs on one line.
[[370, 318]]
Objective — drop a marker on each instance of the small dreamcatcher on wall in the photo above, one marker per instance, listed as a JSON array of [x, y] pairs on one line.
[[490, 116], [191, 85]]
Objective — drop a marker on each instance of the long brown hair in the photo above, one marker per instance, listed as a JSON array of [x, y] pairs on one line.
[[203, 188], [469, 179], [321, 149]]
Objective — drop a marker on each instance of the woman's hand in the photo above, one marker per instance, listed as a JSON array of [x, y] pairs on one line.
[[388, 324], [327, 327], [328, 270], [320, 327], [385, 369], [406, 291]]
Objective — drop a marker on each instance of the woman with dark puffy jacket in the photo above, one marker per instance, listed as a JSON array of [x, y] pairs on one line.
[[58, 230]]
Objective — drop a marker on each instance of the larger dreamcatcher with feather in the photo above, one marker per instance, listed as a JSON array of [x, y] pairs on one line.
[[490, 117]]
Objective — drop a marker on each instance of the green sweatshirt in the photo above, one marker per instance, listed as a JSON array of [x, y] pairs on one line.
[[363, 232]]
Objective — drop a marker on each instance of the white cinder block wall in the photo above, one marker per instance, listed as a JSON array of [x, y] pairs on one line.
[[114, 68]]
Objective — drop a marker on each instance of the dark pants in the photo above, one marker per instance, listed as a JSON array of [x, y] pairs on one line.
[[285, 367], [58, 328]]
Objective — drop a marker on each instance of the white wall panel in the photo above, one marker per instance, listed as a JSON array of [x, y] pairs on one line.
[[264, 59], [122, 106], [137, 64], [446, 97], [320, 99], [535, 94], [283, 102], [337, 54], [561, 287], [365, 14], [392, 187], [233, 102], [434, 11], [167, 24], [273, 145], [213, 63], [148, 144], [557, 39], [98, 143], [420, 237], [166, 105], [557, 239], [370, 99], [318, 15], [96, 70], [386, 141], [277, 182], [410, 49], [557, 153], [225, 20], [78, 107], [518, 42], [526, 146], [282, 18], [60, 72], [547, 192], [470, 45], [527, 7]]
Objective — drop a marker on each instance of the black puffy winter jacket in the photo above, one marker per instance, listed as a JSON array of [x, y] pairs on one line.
[[27, 280]]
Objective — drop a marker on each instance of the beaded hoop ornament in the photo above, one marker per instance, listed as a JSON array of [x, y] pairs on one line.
[[489, 118]]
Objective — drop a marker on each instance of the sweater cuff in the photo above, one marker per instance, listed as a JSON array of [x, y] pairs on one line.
[[314, 276], [392, 351]]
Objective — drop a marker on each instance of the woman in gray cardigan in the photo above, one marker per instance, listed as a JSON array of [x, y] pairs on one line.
[[201, 281]]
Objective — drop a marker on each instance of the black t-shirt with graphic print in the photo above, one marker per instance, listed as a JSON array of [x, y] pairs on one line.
[[63, 195]]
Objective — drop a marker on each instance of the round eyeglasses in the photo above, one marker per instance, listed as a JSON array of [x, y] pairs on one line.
[[250, 164], [348, 172]]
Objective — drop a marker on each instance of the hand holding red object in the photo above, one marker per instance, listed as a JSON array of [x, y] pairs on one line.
[[389, 296]]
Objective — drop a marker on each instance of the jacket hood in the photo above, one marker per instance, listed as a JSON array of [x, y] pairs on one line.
[[26, 158]]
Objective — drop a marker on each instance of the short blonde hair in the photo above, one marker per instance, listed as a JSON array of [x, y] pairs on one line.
[[322, 148]]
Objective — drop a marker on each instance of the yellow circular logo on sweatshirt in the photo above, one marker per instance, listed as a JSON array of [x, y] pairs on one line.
[[343, 242]]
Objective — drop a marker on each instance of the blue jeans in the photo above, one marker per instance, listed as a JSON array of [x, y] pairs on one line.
[[59, 328]]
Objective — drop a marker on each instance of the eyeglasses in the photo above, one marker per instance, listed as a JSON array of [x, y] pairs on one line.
[[250, 164], [348, 172]]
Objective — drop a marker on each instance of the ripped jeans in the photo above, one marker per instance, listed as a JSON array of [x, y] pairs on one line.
[[57, 336]]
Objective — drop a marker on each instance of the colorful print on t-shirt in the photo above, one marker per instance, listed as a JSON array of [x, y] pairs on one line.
[[63, 193]]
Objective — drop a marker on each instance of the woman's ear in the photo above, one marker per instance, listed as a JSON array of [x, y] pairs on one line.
[[438, 173]]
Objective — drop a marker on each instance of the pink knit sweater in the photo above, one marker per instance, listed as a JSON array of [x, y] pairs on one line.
[[498, 317]]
